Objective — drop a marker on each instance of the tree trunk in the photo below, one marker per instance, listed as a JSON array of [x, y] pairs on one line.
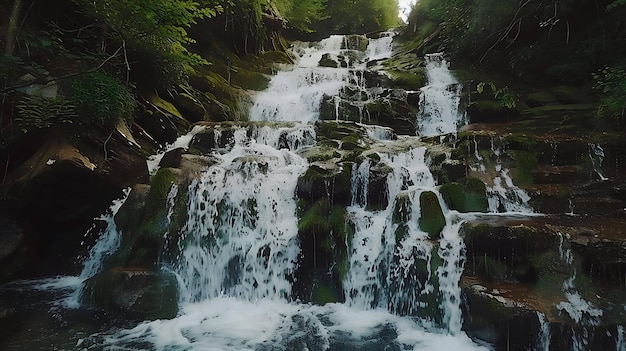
[[9, 39]]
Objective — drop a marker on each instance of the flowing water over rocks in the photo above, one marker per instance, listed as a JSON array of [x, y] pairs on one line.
[[341, 217]]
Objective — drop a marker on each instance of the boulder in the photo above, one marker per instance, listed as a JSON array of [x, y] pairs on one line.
[[355, 42], [431, 219], [328, 60], [134, 293], [469, 195]]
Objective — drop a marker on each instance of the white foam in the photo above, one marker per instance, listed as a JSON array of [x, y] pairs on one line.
[[229, 324]]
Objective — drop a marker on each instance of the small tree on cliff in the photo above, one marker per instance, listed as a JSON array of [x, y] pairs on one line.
[[154, 29]]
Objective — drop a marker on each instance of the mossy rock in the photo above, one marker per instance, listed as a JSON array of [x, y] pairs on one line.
[[470, 195], [525, 163], [276, 56], [540, 98], [568, 94], [323, 262], [328, 60], [165, 106], [355, 42], [143, 239], [408, 80], [402, 209], [488, 111], [431, 219], [192, 109], [220, 99], [135, 293], [250, 80]]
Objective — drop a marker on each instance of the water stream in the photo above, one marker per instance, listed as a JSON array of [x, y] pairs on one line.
[[239, 247]]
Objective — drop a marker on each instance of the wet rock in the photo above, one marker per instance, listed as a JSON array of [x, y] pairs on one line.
[[469, 195], [172, 158], [62, 186], [134, 293], [488, 111], [323, 260], [562, 174], [355, 42], [431, 219], [328, 60], [318, 181], [503, 323], [191, 108]]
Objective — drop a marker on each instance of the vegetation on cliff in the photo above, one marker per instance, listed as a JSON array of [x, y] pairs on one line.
[[534, 43]]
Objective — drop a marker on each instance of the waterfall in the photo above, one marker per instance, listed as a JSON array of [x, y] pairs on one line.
[[502, 194], [543, 340], [241, 236], [181, 142], [596, 155], [439, 100], [239, 248], [575, 306], [296, 94], [620, 340]]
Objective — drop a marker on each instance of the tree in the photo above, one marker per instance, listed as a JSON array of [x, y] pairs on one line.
[[155, 29], [9, 39]]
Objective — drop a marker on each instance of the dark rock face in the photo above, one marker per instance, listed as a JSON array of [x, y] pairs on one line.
[[133, 293], [56, 192]]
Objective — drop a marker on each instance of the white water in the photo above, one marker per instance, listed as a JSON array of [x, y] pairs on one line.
[[596, 155], [502, 194], [241, 236], [621, 340], [398, 275], [240, 246], [296, 94], [439, 100], [575, 306], [181, 142], [543, 341]]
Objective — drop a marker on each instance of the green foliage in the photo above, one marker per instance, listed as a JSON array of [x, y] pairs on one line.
[[615, 4], [155, 30], [611, 82], [102, 97], [39, 112], [301, 13], [360, 16], [503, 95], [492, 30]]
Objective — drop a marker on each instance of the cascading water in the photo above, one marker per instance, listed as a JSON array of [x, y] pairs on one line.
[[241, 236], [503, 196], [239, 247], [237, 254], [439, 100]]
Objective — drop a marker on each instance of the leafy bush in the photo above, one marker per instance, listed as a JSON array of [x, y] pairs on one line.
[[611, 82], [102, 98], [39, 112]]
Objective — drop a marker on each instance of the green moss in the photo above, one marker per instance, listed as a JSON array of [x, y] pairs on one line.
[[249, 80], [525, 162], [520, 141], [276, 56], [468, 196], [432, 219], [323, 294], [165, 106], [147, 294], [490, 269], [408, 80], [351, 142]]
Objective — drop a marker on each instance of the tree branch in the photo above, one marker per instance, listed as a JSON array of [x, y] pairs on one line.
[[70, 75]]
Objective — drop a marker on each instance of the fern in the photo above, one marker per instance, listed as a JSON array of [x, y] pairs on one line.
[[39, 112]]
